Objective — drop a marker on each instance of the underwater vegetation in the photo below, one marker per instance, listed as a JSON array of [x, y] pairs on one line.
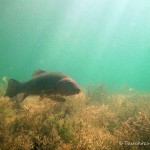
[[94, 120]]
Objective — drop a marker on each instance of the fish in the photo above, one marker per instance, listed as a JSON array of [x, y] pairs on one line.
[[43, 83]]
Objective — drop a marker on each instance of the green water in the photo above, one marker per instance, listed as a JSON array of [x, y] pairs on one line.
[[93, 41]]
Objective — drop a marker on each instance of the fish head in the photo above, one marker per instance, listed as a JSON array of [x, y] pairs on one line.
[[67, 86], [12, 89]]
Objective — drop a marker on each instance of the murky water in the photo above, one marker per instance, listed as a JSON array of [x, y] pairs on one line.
[[99, 41]]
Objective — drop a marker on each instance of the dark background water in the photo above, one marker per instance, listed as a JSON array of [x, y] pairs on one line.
[[93, 41]]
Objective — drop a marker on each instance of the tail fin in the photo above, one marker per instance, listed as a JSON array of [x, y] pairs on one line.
[[13, 88]]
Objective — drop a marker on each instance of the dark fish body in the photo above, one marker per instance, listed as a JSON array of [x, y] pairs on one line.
[[44, 83]]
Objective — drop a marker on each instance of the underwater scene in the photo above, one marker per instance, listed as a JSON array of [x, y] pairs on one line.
[[75, 75]]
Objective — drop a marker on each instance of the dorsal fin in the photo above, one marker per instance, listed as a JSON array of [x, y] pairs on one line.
[[37, 72]]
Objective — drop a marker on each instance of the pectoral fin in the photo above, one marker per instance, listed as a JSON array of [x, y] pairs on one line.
[[59, 98]]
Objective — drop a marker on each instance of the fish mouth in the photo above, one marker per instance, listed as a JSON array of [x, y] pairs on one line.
[[78, 90]]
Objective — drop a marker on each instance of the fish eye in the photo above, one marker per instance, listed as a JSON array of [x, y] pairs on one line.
[[70, 82]]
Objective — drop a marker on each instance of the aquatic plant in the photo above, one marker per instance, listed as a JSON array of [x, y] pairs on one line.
[[3, 85], [97, 93], [105, 121]]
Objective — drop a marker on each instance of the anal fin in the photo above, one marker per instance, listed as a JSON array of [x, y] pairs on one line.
[[24, 96]]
